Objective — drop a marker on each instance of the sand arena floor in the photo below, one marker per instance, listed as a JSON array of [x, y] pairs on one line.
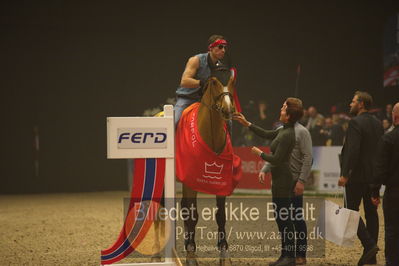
[[72, 229]]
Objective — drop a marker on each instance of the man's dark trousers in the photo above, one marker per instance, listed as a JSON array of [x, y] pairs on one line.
[[357, 164], [299, 226], [355, 192]]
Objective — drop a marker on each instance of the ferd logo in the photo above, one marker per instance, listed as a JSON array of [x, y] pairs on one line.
[[142, 138]]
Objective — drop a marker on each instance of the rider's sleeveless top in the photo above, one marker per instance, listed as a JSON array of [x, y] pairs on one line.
[[203, 73]]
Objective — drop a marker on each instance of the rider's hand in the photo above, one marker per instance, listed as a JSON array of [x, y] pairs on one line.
[[241, 118]]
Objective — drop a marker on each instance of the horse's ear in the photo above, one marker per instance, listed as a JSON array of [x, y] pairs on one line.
[[232, 82], [233, 76]]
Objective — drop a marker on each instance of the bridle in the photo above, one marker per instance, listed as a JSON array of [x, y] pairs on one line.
[[216, 102], [217, 105]]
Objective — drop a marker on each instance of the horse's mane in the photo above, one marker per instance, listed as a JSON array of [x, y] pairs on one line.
[[220, 70]]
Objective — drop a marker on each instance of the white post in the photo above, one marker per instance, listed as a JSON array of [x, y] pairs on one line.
[[117, 149], [170, 187]]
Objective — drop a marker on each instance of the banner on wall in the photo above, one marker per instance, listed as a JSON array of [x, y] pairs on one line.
[[251, 166], [391, 52], [325, 169], [323, 177]]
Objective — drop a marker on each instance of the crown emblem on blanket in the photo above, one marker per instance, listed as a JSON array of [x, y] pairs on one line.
[[213, 168]]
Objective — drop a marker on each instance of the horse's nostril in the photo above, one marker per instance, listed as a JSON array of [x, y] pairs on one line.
[[227, 114]]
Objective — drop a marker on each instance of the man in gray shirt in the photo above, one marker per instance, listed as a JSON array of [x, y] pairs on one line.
[[300, 165]]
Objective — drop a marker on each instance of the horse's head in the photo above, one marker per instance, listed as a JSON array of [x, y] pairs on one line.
[[219, 92]]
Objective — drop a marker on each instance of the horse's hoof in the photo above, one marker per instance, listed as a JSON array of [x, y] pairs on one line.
[[190, 246], [224, 256], [222, 245], [191, 259]]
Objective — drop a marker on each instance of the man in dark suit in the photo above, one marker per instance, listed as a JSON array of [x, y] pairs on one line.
[[387, 173], [357, 159]]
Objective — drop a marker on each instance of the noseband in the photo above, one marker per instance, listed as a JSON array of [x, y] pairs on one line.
[[217, 106]]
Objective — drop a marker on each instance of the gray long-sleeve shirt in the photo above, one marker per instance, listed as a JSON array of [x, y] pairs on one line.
[[301, 156]]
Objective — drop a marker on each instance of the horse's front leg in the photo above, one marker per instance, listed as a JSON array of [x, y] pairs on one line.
[[190, 217], [222, 237], [221, 221]]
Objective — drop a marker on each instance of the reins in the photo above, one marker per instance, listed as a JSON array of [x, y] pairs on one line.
[[215, 105]]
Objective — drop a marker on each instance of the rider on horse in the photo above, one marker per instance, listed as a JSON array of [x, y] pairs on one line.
[[197, 72], [207, 86]]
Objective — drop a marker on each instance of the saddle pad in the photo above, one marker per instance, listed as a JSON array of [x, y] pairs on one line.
[[197, 166]]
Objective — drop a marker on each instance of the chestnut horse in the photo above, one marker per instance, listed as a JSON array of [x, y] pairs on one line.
[[216, 107]]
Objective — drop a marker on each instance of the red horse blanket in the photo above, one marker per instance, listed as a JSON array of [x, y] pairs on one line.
[[197, 166]]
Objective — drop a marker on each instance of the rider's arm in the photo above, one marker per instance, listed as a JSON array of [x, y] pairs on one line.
[[187, 79]]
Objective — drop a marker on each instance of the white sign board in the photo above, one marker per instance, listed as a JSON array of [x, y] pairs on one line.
[[141, 137], [326, 169]]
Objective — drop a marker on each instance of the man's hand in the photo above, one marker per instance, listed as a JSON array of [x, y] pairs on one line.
[[256, 151], [299, 188], [342, 181], [241, 118], [261, 177], [376, 201]]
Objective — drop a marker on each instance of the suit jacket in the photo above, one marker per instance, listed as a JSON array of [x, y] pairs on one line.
[[360, 148], [387, 166]]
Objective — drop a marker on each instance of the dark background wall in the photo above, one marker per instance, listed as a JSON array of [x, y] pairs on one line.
[[67, 65]]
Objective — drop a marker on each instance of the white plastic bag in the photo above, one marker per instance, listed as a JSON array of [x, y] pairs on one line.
[[338, 224]]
